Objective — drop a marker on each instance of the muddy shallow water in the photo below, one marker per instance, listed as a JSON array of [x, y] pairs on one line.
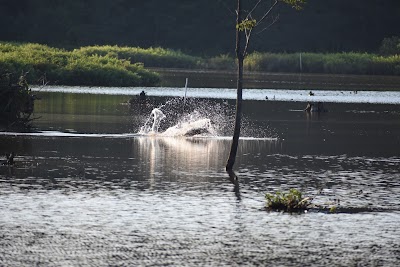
[[86, 190]]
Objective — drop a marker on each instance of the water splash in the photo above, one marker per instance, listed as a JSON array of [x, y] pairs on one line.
[[201, 127], [202, 117], [192, 124]]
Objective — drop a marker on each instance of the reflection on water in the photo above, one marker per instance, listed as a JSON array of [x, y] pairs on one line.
[[163, 201], [182, 156], [102, 196]]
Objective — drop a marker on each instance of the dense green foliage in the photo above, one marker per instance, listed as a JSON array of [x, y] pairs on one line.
[[151, 57], [204, 27], [59, 66], [291, 201], [124, 66], [338, 63]]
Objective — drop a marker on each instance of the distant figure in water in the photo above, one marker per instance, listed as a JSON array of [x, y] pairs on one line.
[[311, 93]]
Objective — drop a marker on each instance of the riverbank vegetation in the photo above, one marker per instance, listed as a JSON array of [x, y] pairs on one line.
[[150, 57], [58, 66], [337, 63], [126, 66]]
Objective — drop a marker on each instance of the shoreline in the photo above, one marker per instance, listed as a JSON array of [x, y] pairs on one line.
[[229, 94], [172, 77]]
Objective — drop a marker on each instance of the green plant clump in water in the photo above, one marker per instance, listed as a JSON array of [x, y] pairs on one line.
[[292, 201]]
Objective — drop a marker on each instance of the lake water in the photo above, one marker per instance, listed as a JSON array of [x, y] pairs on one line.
[[88, 190]]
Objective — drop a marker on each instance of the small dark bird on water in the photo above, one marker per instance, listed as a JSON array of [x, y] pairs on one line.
[[10, 159]]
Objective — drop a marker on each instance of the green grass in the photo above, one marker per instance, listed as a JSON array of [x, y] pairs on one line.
[[150, 57], [125, 66], [337, 63], [72, 67]]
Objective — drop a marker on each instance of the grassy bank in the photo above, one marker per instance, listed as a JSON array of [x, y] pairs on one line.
[[150, 57], [338, 63], [125, 66], [64, 67]]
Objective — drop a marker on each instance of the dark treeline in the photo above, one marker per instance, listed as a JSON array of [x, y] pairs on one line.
[[203, 27]]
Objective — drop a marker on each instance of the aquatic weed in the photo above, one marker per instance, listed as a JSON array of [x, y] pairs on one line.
[[291, 201]]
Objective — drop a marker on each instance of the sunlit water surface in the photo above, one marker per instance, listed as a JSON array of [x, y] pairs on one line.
[[388, 97], [88, 189]]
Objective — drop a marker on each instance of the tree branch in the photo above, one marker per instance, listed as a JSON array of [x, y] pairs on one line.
[[275, 19], [254, 8], [248, 34], [267, 13]]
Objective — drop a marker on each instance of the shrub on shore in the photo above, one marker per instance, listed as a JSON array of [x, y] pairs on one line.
[[151, 57], [72, 67], [221, 62]]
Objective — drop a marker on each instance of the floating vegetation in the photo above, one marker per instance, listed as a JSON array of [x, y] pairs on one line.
[[291, 201]]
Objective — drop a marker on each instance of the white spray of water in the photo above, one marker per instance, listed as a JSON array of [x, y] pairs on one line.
[[201, 127], [191, 125], [156, 116], [202, 118]]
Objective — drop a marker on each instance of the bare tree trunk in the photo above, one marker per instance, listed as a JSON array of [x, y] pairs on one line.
[[244, 29], [238, 115]]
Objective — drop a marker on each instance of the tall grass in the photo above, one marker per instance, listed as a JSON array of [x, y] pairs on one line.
[[125, 66], [337, 63], [221, 62], [72, 67], [150, 57]]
